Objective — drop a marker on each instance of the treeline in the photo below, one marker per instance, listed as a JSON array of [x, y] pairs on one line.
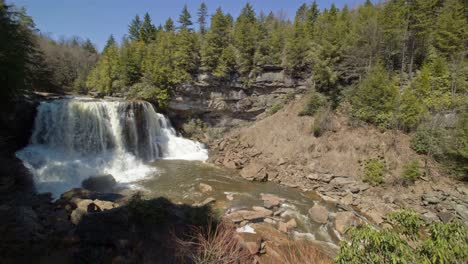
[[31, 61]]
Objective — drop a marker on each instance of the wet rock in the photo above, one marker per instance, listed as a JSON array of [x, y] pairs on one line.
[[101, 183], [77, 215], [105, 205], [254, 172], [445, 217], [205, 202], [271, 200], [286, 227], [318, 214], [205, 188], [241, 215], [343, 220]]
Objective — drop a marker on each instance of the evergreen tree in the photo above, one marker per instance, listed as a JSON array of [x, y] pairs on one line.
[[147, 30], [89, 47], [451, 30], [169, 25], [227, 63], [106, 73], [245, 38], [375, 98], [184, 19], [216, 39], [134, 28], [202, 14], [297, 45], [186, 54]]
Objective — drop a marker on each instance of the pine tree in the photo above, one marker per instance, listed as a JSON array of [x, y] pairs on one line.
[[312, 15], [216, 39], [227, 63], [451, 29], [297, 45], [169, 25], [202, 14], [186, 54], [134, 28], [106, 73], [147, 30], [184, 19], [245, 38], [89, 47], [375, 98]]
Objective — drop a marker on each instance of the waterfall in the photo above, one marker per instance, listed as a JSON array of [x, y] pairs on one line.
[[76, 138]]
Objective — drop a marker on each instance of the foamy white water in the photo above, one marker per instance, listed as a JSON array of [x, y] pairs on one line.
[[74, 139]]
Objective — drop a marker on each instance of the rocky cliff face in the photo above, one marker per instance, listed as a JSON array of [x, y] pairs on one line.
[[231, 103]]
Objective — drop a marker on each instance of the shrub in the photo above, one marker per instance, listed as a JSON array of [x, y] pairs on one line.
[[369, 245], [274, 108], [426, 141], [375, 99], [322, 121], [315, 100], [299, 252], [445, 243], [194, 128], [374, 170], [411, 171], [214, 244], [407, 222], [147, 91]]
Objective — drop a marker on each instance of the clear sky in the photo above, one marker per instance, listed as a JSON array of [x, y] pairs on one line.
[[97, 19]]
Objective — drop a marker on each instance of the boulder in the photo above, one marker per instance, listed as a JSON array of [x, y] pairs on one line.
[[430, 199], [342, 181], [343, 220], [445, 216], [271, 200], [205, 202], [286, 227], [77, 215], [205, 188], [251, 242], [318, 214], [101, 183], [105, 205], [255, 215], [462, 211], [254, 172]]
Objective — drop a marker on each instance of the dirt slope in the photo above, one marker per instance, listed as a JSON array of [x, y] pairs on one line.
[[281, 148]]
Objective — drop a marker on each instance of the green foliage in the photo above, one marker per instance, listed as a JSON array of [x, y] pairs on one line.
[[216, 41], [369, 245], [315, 101], [374, 170], [446, 243], [411, 110], [17, 48], [407, 222], [245, 39], [202, 15], [184, 19], [106, 72], [426, 141], [458, 149], [411, 171], [134, 28], [375, 98], [274, 108], [147, 91]]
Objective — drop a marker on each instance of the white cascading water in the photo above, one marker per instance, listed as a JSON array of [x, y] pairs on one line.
[[74, 139]]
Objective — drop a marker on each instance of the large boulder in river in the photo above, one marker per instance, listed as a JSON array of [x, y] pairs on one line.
[[318, 214], [101, 183]]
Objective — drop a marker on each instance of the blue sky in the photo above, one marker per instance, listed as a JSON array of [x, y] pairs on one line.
[[97, 19]]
